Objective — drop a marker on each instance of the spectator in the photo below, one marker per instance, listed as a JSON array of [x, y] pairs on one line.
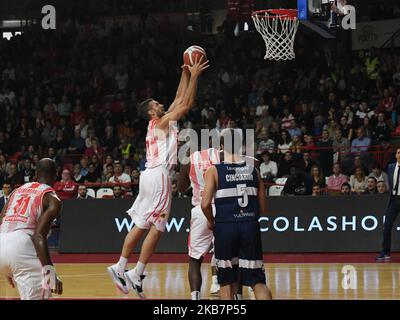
[[6, 194], [223, 120], [284, 165], [379, 175], [84, 166], [341, 146], [317, 177], [287, 119], [364, 112], [108, 161], [346, 128], [307, 163], [82, 193], [285, 142], [345, 189], [109, 141], [361, 143], [49, 133], [386, 105], [381, 131], [27, 172], [266, 119], [265, 143], [293, 130], [297, 184], [337, 179], [64, 107], [77, 144], [66, 188], [94, 149], [325, 153], [108, 173], [309, 146], [268, 169], [125, 151], [381, 187], [120, 176], [93, 176], [118, 192], [358, 181], [316, 190], [371, 186], [78, 178], [14, 177]]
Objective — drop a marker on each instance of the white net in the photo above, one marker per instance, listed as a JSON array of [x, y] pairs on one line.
[[278, 29]]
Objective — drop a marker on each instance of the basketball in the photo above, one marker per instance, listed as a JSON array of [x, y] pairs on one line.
[[191, 53]]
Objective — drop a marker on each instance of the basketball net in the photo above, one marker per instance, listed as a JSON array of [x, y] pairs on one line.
[[278, 28]]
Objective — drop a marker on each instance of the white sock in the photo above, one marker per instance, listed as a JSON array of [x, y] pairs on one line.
[[214, 279], [139, 269], [122, 263], [195, 295]]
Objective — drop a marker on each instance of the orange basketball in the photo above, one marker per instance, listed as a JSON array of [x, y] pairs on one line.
[[193, 52]]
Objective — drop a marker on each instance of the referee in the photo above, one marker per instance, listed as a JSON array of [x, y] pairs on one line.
[[393, 209], [239, 196]]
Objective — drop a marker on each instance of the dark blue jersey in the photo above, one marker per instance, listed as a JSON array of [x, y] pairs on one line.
[[236, 196]]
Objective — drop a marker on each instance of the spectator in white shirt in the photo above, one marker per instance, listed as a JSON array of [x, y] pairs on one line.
[[120, 176], [285, 142], [269, 168], [379, 175]]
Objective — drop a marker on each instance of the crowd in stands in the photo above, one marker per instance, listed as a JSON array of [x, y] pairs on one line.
[[72, 95]]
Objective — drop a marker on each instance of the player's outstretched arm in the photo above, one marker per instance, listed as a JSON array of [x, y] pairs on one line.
[[182, 108], [52, 208], [210, 188], [182, 87], [261, 196]]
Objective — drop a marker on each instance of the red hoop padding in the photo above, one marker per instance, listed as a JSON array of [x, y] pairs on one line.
[[276, 13]]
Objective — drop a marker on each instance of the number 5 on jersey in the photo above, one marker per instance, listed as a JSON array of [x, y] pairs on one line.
[[242, 192]]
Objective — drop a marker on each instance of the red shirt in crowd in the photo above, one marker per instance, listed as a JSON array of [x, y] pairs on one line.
[[66, 189]]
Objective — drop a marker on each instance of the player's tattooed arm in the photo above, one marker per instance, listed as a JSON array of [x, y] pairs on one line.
[[52, 208], [183, 180], [208, 193]]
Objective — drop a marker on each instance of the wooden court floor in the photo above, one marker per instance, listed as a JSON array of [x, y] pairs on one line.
[[286, 280]]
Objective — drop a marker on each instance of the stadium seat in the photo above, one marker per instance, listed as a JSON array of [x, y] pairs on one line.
[[103, 192], [91, 192], [275, 191]]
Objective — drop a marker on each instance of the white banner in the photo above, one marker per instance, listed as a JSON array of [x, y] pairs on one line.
[[374, 34]]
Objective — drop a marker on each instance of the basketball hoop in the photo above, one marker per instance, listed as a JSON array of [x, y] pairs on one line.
[[278, 28]]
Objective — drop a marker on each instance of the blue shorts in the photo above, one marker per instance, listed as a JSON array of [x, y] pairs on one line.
[[238, 253]]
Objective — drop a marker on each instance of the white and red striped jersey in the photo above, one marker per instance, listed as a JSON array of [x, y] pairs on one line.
[[160, 150], [25, 208], [200, 161]]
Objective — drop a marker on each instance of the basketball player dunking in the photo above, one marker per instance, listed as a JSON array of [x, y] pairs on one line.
[[151, 208], [26, 221], [238, 192]]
